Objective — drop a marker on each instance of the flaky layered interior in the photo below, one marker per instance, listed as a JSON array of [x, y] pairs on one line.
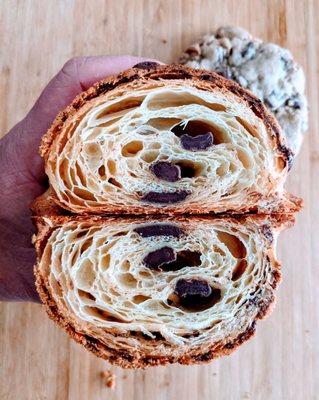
[[161, 140], [110, 155], [112, 281]]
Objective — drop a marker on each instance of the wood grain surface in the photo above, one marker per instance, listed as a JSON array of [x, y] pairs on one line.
[[38, 361]]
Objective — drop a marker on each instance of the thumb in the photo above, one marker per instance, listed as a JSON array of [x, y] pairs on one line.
[[77, 74]]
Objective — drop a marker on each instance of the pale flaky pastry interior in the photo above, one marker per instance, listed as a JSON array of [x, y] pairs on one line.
[[95, 275], [102, 158]]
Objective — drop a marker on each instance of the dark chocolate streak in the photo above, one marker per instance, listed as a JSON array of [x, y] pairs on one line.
[[193, 287], [146, 65], [184, 258], [166, 171], [165, 197], [200, 142], [165, 259], [159, 230], [196, 294], [155, 259]]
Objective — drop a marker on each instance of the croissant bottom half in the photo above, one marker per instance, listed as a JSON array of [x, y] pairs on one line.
[[157, 291]]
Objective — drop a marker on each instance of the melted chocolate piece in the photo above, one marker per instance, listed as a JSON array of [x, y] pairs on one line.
[[157, 258], [196, 294], [159, 230], [239, 269], [200, 142], [166, 171], [165, 259], [194, 287], [166, 197], [146, 65], [185, 258]]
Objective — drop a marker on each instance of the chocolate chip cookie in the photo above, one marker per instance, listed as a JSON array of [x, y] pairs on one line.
[[266, 69]]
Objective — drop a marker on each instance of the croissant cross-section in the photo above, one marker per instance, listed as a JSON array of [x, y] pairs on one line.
[[93, 278], [166, 143], [178, 279]]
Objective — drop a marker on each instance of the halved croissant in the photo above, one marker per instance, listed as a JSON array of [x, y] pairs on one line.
[[167, 139], [157, 291]]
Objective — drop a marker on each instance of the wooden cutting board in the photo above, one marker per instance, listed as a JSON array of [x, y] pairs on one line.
[[38, 361]]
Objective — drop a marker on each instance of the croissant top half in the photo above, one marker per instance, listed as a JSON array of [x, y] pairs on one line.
[[167, 139]]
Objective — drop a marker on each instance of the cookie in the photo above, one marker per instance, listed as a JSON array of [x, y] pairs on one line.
[[266, 69]]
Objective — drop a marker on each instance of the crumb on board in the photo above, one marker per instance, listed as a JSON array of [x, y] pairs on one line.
[[109, 378]]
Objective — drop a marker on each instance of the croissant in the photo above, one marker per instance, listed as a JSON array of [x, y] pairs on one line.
[[170, 140], [155, 287], [141, 293]]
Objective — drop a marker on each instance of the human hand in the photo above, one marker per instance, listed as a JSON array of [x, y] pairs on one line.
[[22, 176]]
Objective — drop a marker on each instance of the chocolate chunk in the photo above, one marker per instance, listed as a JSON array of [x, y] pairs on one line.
[[194, 287], [294, 102], [196, 294], [248, 51], [156, 258], [146, 65], [159, 230], [287, 63], [187, 170], [166, 171], [165, 259], [195, 135], [184, 258], [200, 142], [166, 197]]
